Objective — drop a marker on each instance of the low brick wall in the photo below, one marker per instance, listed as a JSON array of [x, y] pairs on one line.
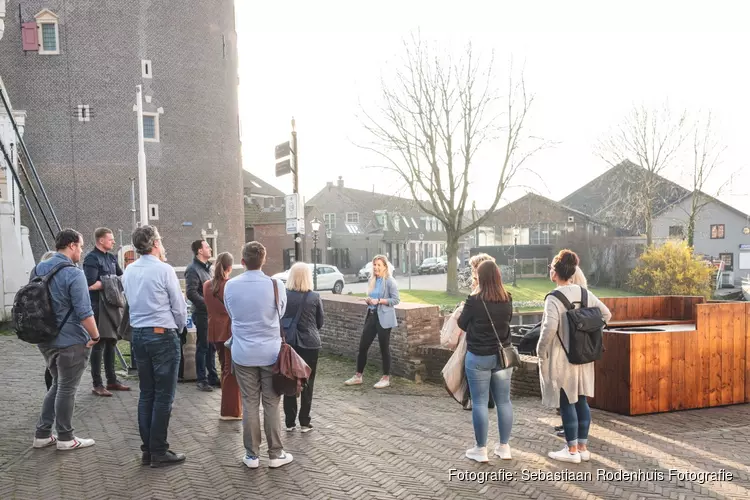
[[525, 381], [418, 325]]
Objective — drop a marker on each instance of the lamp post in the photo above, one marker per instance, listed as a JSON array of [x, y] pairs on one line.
[[516, 232], [315, 224]]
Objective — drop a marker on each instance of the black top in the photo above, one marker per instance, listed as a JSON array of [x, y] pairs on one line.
[[95, 265], [310, 320], [196, 274], [480, 338]]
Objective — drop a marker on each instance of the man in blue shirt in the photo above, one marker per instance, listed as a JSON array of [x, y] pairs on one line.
[[158, 312], [67, 354], [255, 312]]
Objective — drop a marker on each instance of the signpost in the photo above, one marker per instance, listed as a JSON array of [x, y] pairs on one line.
[[286, 155]]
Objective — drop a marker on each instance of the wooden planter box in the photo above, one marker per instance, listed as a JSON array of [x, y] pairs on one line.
[[703, 365]]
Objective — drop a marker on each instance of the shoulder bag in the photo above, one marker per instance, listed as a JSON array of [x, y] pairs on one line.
[[508, 355]]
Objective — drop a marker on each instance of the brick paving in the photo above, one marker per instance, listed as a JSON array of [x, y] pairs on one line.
[[399, 443]]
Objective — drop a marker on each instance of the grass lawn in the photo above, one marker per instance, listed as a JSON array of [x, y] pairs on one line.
[[527, 290]]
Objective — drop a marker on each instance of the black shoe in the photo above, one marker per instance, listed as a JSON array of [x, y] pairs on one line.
[[559, 428], [216, 384], [145, 458], [169, 458], [202, 386], [561, 434]]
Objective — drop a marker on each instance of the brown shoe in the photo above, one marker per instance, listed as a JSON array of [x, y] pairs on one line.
[[101, 391], [117, 387]]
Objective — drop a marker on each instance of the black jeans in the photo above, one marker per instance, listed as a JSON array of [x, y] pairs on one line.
[[205, 353], [183, 341], [47, 378], [371, 330], [290, 402], [158, 357], [105, 348]]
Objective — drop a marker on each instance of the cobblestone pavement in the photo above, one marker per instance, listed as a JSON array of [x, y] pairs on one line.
[[399, 443]]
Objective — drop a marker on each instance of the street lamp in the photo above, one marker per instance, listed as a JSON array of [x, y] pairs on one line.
[[315, 224], [516, 232]]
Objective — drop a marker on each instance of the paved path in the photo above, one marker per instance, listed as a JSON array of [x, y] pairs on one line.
[[400, 443]]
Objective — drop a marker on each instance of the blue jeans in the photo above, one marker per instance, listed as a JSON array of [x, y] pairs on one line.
[[576, 418], [484, 375], [205, 352], [158, 356]]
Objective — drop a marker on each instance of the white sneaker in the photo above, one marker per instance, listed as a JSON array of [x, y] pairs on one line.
[[478, 454], [251, 462], [503, 451], [383, 383], [44, 442], [74, 444], [306, 428], [585, 455], [565, 455], [355, 380], [283, 460], [291, 429]]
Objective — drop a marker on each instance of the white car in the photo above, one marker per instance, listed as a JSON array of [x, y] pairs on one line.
[[329, 278], [365, 273]]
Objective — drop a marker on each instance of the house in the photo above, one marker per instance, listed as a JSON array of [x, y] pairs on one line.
[[265, 221], [362, 224], [533, 228], [721, 233]]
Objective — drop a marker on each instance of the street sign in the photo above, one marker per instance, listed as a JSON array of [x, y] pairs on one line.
[[283, 150], [284, 167], [292, 205], [292, 226]]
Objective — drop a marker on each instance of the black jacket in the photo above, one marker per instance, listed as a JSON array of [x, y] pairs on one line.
[[95, 265], [480, 337], [196, 274], [310, 320]]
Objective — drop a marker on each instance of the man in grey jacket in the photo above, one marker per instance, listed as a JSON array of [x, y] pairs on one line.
[[197, 273]]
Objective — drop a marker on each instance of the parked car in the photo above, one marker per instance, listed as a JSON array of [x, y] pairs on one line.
[[429, 266], [443, 263], [365, 273], [329, 278]]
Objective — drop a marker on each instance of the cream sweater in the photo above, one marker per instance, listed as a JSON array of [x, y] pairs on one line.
[[555, 371]]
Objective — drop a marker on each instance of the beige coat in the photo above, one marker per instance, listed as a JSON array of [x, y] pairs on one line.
[[555, 371]]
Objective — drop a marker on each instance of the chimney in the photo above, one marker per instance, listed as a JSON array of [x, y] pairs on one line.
[[340, 183]]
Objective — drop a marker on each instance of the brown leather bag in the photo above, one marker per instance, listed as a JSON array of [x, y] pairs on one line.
[[290, 373]]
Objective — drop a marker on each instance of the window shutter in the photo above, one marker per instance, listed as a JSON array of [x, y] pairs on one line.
[[29, 36]]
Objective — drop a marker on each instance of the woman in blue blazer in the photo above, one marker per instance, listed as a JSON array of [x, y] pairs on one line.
[[381, 318]]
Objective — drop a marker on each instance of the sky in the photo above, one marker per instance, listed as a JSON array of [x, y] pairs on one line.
[[586, 63]]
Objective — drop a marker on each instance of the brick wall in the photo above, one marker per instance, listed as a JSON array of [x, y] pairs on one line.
[[525, 380], [417, 326], [275, 239]]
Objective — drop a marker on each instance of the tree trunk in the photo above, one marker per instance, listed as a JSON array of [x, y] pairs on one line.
[[452, 252], [691, 230], [649, 227]]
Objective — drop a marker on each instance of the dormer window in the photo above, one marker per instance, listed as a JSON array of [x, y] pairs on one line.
[[48, 33]]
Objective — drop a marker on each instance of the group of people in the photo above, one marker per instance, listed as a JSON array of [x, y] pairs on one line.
[[242, 319], [482, 327]]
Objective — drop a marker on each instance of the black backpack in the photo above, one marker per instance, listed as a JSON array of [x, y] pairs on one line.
[[34, 316], [585, 325]]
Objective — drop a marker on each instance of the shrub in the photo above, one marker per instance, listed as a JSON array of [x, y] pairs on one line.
[[671, 269]]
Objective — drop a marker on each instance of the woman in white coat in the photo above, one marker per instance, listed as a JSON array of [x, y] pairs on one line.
[[565, 385]]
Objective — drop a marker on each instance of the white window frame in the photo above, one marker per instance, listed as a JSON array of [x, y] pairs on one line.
[[84, 109], [212, 238], [330, 224], [153, 211], [352, 221], [156, 127], [47, 17], [147, 69]]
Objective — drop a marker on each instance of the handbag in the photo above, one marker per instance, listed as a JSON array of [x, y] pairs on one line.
[[290, 324], [290, 372], [508, 355]]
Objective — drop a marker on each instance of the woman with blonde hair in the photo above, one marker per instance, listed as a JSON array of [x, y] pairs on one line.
[[219, 331], [302, 322], [381, 300]]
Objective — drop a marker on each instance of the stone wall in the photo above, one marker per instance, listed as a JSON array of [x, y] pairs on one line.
[[417, 326]]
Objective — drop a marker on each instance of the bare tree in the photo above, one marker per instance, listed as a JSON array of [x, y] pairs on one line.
[[706, 158], [434, 117], [653, 139]]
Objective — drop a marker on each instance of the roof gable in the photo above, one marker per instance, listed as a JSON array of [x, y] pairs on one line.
[[258, 186]]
